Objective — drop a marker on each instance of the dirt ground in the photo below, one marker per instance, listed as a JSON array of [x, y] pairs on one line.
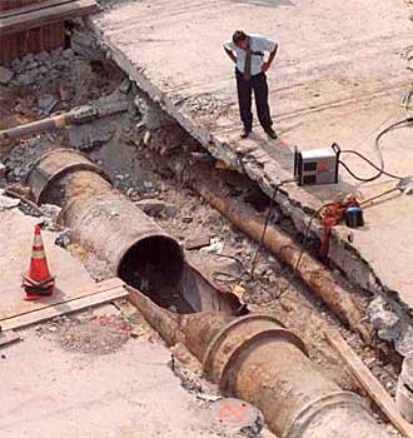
[[138, 172]]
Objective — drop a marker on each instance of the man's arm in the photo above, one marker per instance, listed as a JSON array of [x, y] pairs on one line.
[[230, 54], [273, 53]]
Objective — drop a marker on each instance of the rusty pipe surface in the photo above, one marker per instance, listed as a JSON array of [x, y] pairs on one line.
[[257, 359], [313, 273], [32, 128], [77, 115], [105, 221]]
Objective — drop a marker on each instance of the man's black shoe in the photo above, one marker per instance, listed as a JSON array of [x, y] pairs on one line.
[[245, 133], [271, 133]]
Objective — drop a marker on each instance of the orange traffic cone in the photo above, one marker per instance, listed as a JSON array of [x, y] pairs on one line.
[[38, 283]]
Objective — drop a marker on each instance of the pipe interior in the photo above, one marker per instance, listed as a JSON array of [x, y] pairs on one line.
[[154, 265]]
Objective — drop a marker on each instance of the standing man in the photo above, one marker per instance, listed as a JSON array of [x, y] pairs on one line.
[[247, 52]]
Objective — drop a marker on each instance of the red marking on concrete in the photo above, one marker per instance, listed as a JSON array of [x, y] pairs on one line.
[[407, 283], [30, 398], [232, 414]]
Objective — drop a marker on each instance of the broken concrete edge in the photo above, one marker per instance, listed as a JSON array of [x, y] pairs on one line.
[[262, 169]]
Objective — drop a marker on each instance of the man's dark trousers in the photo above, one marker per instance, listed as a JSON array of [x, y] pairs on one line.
[[258, 84]]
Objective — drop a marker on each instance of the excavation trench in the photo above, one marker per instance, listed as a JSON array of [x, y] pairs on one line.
[[107, 223], [252, 357]]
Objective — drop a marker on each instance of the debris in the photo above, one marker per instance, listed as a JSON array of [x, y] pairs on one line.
[[64, 239], [239, 292], [152, 207], [8, 337], [106, 310], [153, 117], [47, 103], [208, 397], [2, 171], [170, 211], [197, 242], [404, 394], [102, 335], [51, 211], [7, 203], [68, 54], [369, 383], [216, 246], [86, 137], [125, 86], [85, 44], [406, 185], [5, 75], [319, 279]]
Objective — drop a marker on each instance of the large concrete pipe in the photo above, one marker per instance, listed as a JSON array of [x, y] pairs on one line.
[[106, 222], [258, 360]]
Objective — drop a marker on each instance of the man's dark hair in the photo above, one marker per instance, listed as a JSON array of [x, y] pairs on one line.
[[238, 36]]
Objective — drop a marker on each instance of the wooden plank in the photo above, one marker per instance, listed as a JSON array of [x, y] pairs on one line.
[[18, 45], [12, 4], [370, 384], [65, 308], [32, 7], [34, 306], [42, 17], [8, 337]]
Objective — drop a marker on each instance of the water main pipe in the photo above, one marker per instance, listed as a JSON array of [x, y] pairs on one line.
[[257, 359], [105, 221]]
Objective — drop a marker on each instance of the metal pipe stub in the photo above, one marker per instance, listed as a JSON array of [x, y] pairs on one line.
[[240, 334], [53, 166]]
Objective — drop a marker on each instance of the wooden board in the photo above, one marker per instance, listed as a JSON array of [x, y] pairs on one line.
[[32, 7], [60, 298], [8, 337], [65, 308], [12, 4], [370, 384], [42, 17]]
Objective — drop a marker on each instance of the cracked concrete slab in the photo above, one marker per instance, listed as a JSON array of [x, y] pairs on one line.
[[50, 391], [339, 77]]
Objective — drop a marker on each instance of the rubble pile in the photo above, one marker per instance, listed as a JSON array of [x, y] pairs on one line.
[[43, 67]]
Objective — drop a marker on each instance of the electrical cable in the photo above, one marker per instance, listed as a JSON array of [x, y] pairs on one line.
[[267, 222], [381, 168], [230, 278]]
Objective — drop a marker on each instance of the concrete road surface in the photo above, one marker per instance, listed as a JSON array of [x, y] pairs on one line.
[[340, 76]]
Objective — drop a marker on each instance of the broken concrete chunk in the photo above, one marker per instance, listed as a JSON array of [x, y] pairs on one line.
[[85, 44], [47, 103], [7, 203], [152, 207], [68, 54], [42, 56], [28, 78], [216, 246], [171, 210], [51, 211], [125, 86], [6, 75], [64, 239], [383, 319]]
